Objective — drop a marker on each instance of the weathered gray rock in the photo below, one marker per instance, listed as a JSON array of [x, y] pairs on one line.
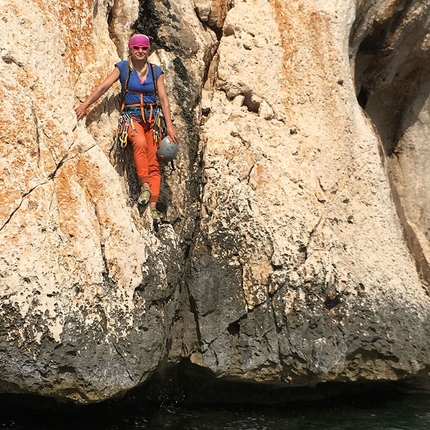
[[299, 245], [297, 209]]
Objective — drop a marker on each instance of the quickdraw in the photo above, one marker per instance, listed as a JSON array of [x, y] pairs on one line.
[[159, 127], [125, 121]]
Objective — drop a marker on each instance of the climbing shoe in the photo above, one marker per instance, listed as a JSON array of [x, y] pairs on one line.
[[155, 218], [155, 215], [144, 197]]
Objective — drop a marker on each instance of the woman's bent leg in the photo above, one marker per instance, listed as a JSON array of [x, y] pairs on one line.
[[140, 151], [154, 168]]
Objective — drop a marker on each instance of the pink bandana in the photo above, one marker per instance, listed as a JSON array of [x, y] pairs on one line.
[[139, 40]]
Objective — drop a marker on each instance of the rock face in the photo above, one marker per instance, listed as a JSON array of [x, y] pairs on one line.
[[299, 235], [297, 248]]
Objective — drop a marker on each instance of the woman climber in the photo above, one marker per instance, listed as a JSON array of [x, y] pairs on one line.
[[141, 82]]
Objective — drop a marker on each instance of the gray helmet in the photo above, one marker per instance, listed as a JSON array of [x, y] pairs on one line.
[[168, 150]]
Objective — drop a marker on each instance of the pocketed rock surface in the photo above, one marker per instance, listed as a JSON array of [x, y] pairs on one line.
[[296, 242]]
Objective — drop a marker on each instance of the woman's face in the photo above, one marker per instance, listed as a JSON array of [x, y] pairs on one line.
[[139, 52]]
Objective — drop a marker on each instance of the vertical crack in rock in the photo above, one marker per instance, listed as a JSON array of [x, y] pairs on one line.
[[33, 113], [165, 24], [393, 87], [105, 264], [150, 21], [248, 176], [193, 309], [124, 360], [212, 16], [305, 249]]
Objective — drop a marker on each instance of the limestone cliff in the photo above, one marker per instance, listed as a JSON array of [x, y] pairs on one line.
[[296, 242]]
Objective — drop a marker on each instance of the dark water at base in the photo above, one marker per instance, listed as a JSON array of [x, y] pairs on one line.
[[411, 412]]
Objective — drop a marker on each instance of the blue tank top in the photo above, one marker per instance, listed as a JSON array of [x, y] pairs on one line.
[[134, 84]]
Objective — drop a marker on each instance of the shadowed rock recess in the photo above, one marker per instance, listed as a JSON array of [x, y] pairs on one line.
[[295, 248]]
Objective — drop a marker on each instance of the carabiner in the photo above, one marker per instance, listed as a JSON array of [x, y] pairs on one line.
[[123, 139]]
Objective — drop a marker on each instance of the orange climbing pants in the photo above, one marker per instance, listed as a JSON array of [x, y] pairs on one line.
[[145, 159]]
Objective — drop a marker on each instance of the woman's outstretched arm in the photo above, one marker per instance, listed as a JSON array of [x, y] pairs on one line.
[[81, 110]]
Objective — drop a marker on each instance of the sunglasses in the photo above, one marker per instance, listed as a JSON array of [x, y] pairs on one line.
[[138, 48]]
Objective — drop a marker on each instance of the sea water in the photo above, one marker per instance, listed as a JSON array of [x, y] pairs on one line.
[[405, 412]]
